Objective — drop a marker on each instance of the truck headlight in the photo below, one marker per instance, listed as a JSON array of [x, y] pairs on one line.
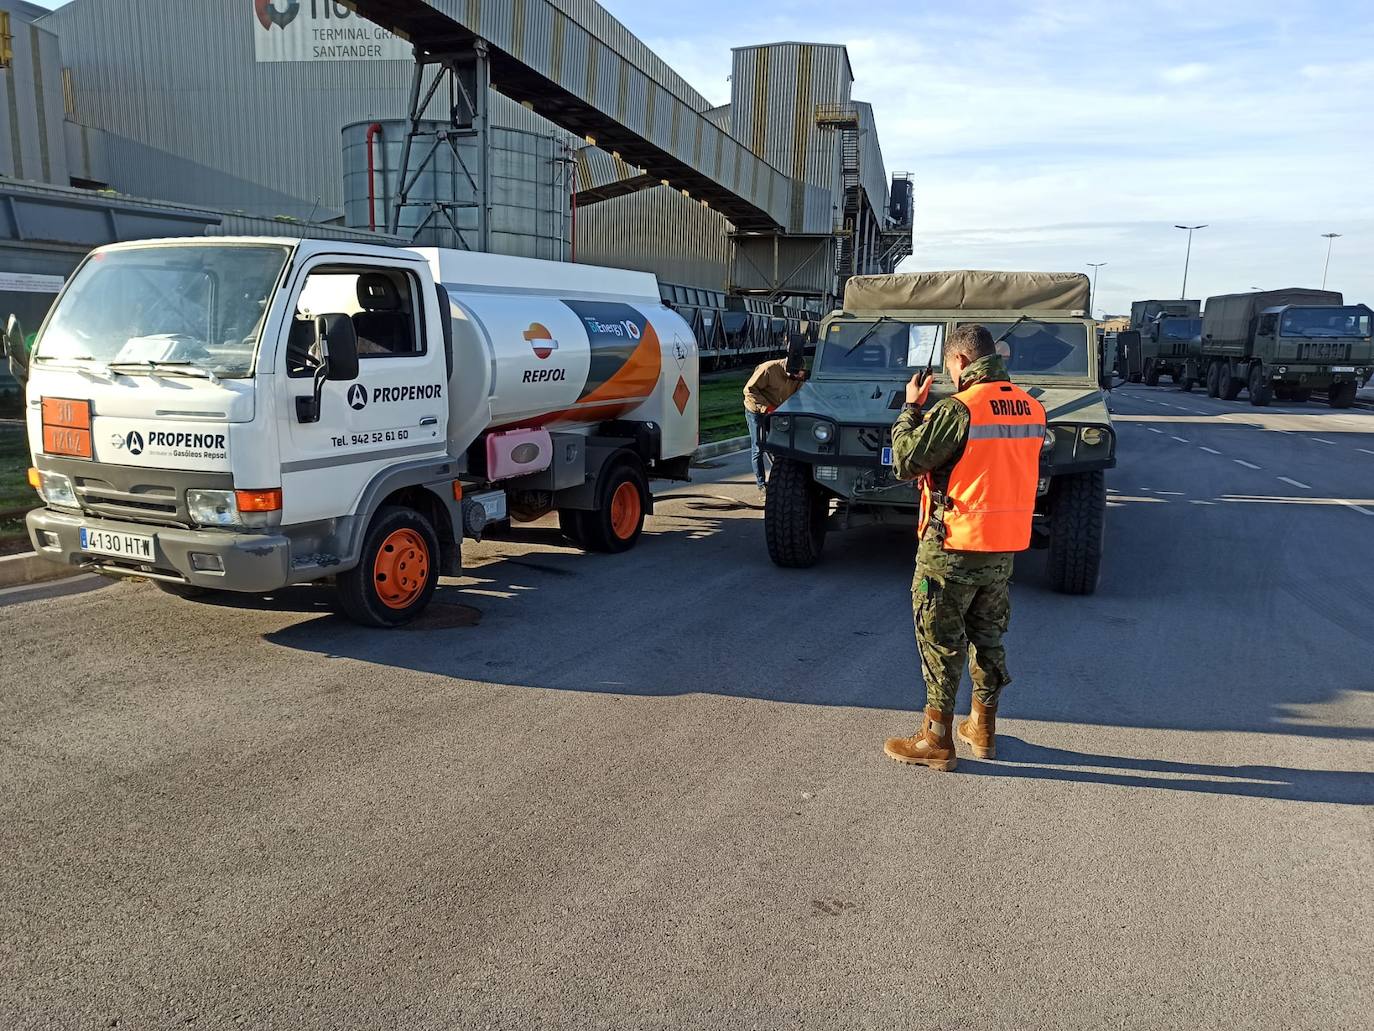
[[1047, 445], [822, 431], [57, 489], [1092, 435], [213, 507]]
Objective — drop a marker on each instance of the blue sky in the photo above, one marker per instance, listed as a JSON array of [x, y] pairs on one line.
[[1048, 135], [1045, 135]]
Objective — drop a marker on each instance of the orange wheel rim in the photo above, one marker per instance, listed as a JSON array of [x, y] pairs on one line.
[[401, 569], [625, 510]]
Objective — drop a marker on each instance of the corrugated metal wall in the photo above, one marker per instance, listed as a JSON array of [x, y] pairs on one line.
[[658, 231], [32, 142], [871, 157], [775, 91]]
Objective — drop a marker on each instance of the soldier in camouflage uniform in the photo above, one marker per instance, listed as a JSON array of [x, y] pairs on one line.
[[960, 599]]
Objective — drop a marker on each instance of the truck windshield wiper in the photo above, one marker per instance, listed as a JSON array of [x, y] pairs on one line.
[[173, 368], [1024, 318], [869, 332]]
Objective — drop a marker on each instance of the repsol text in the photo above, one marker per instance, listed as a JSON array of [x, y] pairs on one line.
[[544, 376]]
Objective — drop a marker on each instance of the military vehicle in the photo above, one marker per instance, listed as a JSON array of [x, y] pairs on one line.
[[1165, 328], [1284, 344], [831, 441]]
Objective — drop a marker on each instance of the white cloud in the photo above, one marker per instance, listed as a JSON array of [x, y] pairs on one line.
[[1180, 74]]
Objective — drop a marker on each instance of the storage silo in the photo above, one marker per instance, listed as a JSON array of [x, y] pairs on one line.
[[530, 176]]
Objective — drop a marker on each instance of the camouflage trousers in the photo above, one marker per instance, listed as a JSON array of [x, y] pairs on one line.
[[957, 623]]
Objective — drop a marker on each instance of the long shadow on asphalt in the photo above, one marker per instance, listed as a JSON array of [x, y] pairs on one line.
[[1025, 760]]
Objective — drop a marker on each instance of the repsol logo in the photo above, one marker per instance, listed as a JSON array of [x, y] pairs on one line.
[[544, 376], [418, 392], [201, 441], [1001, 407]]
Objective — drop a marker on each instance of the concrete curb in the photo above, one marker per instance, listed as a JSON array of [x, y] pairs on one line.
[[28, 568], [719, 447]]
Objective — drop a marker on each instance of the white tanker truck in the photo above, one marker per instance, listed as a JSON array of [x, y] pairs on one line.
[[244, 414]]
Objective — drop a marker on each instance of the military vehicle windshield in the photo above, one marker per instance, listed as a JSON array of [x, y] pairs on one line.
[[1351, 321], [881, 348], [1180, 329], [164, 309], [1036, 348]]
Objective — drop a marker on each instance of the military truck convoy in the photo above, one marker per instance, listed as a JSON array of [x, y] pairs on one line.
[[831, 442], [1281, 344], [1159, 339]]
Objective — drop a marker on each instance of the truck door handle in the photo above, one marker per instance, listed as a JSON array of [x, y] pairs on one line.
[[430, 420]]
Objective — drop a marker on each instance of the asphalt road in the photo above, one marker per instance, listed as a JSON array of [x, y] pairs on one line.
[[649, 791]]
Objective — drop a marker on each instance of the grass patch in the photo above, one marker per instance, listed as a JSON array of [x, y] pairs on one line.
[[15, 492], [722, 405]]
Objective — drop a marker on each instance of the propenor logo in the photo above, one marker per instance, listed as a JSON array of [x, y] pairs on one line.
[[269, 15], [357, 397], [134, 442], [541, 340]]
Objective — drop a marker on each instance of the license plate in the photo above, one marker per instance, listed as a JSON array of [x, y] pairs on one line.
[[121, 545], [1342, 368], [887, 456]]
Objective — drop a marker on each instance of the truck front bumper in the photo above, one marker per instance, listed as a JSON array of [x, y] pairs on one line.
[[250, 562]]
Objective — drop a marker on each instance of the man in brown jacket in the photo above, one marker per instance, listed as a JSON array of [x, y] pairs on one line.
[[771, 384]]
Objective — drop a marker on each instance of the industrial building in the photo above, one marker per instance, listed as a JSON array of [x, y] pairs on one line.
[[541, 128]]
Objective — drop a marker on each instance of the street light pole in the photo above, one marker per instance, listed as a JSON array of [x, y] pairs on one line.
[[1094, 265], [1330, 239], [1188, 256]]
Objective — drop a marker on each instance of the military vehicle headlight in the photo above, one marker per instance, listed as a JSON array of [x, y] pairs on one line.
[[1092, 435], [1283, 369], [1047, 445], [822, 431]]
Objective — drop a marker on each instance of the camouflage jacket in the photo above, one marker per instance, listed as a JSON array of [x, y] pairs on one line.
[[933, 442]]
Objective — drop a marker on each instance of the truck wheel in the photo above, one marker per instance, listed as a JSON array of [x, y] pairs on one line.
[[1185, 383], [396, 573], [615, 524], [570, 523], [1228, 386], [1261, 393], [1152, 377], [1078, 520], [1214, 380], [1283, 393], [1302, 394], [794, 514], [1341, 395]]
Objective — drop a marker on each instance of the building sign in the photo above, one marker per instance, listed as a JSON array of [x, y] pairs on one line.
[[320, 30], [29, 283]]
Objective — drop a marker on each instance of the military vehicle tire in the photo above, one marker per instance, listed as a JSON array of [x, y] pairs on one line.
[[794, 514], [1228, 385], [1185, 383], [1152, 377], [623, 498], [1302, 394], [1342, 395], [1283, 393], [1214, 380], [397, 572], [1078, 521], [1261, 393]]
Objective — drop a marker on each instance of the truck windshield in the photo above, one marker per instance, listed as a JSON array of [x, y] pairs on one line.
[[1037, 348], [880, 348], [198, 308], [1351, 321], [1180, 329]]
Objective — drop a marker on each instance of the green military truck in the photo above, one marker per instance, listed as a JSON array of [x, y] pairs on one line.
[[831, 442], [1284, 344], [1164, 330]]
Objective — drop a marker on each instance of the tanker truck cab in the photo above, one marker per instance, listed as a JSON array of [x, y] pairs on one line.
[[246, 414]]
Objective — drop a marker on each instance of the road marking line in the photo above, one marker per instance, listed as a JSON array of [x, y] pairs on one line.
[[1358, 508], [1323, 440], [1295, 483], [1248, 465], [1153, 430], [1364, 451], [1195, 501], [1208, 450], [1181, 440]]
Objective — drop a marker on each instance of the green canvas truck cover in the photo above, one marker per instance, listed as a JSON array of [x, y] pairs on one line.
[[1229, 318], [968, 290]]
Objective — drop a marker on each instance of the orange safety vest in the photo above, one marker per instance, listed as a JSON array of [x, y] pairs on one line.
[[991, 494]]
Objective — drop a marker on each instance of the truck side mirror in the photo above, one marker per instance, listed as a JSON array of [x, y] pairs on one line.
[[16, 347], [338, 346]]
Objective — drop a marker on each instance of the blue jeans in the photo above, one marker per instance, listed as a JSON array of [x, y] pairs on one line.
[[756, 458]]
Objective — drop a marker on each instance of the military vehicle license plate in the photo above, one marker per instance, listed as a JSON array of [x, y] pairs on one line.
[[887, 456], [1342, 368], [121, 545]]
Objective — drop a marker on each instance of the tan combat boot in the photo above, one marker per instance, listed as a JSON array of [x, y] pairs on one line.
[[980, 729], [932, 746]]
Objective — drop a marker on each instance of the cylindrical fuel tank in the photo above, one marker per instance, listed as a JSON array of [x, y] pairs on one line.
[[563, 347]]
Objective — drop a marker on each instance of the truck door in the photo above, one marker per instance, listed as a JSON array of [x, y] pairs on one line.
[[395, 411]]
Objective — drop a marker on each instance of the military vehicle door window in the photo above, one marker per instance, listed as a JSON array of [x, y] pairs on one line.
[[1266, 325], [884, 349], [1035, 348], [379, 301]]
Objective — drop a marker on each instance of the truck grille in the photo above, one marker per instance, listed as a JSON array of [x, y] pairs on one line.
[[140, 502]]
